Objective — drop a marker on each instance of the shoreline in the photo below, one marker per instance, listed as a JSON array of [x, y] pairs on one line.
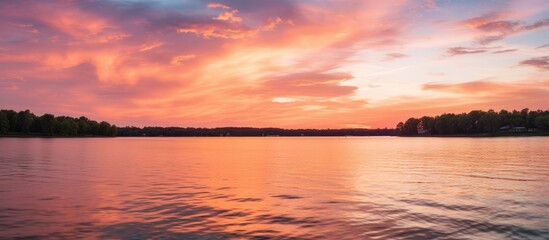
[[543, 134], [485, 135], [42, 136]]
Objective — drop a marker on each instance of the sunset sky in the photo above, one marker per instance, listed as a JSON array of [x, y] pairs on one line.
[[272, 63]]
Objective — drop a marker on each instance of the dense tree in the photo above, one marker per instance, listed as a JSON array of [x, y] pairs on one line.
[[444, 125], [113, 130], [12, 119], [24, 121], [66, 126], [104, 129], [474, 117], [426, 124], [4, 123], [542, 123], [48, 125], [399, 126], [410, 126], [83, 125], [464, 123], [480, 122], [490, 122], [532, 116]]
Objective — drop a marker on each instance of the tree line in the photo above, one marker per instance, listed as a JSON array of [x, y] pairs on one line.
[[477, 122], [474, 122], [27, 123], [248, 131]]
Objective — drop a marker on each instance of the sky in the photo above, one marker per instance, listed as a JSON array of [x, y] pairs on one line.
[[272, 63]]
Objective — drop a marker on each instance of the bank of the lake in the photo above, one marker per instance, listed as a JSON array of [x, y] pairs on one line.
[[482, 135]]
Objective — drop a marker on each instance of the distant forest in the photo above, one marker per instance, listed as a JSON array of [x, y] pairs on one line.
[[477, 122], [248, 131], [25, 123]]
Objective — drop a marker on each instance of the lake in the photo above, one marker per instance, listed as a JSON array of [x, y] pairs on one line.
[[275, 187]]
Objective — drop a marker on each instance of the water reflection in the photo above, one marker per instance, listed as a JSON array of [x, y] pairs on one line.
[[284, 188]]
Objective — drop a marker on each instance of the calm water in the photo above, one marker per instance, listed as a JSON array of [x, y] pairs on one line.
[[300, 188]]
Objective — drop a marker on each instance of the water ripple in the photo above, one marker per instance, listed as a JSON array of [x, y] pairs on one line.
[[274, 188]]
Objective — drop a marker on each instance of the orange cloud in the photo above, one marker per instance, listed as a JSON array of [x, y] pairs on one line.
[[147, 47], [474, 87], [181, 58], [229, 16], [218, 5], [308, 84]]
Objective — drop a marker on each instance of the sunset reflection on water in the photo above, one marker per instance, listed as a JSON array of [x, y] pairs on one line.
[[217, 188]]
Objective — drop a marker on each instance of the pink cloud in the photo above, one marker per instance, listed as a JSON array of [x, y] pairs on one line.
[[394, 56], [492, 27], [464, 51], [455, 51], [505, 51], [541, 63]]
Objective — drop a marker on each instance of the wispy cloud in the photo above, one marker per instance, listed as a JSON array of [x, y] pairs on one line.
[[541, 63], [505, 51], [464, 50], [181, 58], [147, 47], [493, 27], [394, 56], [473, 87]]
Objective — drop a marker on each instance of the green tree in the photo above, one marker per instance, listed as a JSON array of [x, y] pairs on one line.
[[504, 117], [427, 123], [47, 124], [464, 124], [4, 123], [542, 123], [532, 116], [410, 126], [445, 124], [474, 117], [84, 127], [24, 121], [113, 130], [525, 114], [490, 122], [67, 127], [94, 127], [12, 118], [516, 118], [399, 127], [104, 129]]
